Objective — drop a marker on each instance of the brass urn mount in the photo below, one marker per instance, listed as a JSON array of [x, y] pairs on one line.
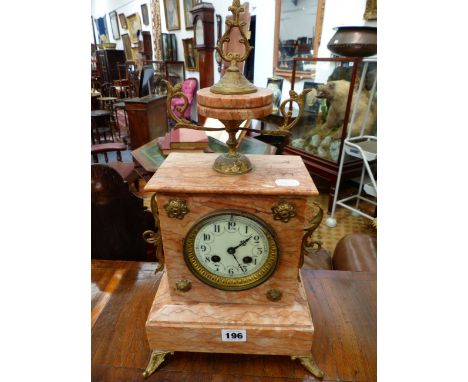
[[233, 100]]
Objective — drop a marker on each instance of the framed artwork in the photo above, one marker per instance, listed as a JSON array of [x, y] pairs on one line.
[[123, 21], [127, 47], [134, 25], [190, 54], [169, 46], [114, 25], [172, 13], [188, 6], [144, 13], [159, 74], [165, 46], [173, 39], [101, 27], [276, 85], [175, 72], [94, 31]]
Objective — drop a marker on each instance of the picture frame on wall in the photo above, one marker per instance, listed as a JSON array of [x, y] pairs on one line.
[[101, 27], [114, 25], [165, 46], [94, 31], [134, 25], [172, 13], [127, 47], [190, 54], [173, 39], [123, 21], [188, 6], [144, 14], [175, 72], [169, 46]]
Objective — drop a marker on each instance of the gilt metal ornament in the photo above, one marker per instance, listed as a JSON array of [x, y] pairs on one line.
[[157, 358], [283, 211], [176, 208], [233, 82], [274, 295], [154, 237], [310, 364], [183, 285]]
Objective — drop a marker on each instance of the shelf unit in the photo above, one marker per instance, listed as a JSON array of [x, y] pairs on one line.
[[364, 148]]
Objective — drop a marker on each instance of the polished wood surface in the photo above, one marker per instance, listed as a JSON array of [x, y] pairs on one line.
[[147, 119], [343, 305]]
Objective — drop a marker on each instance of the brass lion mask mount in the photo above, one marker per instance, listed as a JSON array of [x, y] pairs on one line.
[[233, 82]]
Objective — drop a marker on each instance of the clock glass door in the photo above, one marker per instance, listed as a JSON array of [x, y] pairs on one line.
[[199, 33]]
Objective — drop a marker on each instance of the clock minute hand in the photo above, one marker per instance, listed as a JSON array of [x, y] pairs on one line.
[[237, 261]]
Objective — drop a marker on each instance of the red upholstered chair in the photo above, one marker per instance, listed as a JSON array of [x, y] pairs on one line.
[[189, 87]]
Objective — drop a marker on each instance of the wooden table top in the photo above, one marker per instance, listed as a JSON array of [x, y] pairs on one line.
[[343, 306]]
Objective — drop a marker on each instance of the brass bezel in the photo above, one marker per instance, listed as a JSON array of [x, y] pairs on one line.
[[226, 283]]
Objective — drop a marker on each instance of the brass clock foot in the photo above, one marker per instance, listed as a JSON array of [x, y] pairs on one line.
[[310, 365], [157, 358]]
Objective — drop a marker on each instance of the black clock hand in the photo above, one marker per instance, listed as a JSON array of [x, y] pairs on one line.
[[232, 250], [237, 261]]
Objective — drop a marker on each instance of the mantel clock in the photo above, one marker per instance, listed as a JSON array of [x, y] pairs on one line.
[[232, 228]]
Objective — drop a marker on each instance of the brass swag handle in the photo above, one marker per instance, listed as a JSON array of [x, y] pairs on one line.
[[152, 237], [284, 130], [307, 242]]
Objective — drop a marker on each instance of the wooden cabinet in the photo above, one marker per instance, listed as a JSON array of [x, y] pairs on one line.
[[147, 119], [107, 60]]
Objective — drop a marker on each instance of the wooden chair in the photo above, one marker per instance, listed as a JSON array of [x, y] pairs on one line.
[[131, 75], [125, 169], [121, 86], [118, 219], [101, 126]]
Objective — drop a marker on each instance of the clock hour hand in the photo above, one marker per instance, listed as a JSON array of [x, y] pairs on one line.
[[232, 250]]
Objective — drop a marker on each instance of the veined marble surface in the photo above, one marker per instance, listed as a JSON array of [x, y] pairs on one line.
[[282, 175], [196, 327], [262, 97], [289, 239]]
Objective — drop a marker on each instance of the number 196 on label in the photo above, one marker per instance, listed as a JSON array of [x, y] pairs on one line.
[[233, 335]]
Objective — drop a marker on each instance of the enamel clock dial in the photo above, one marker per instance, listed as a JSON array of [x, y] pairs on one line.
[[199, 33], [231, 250]]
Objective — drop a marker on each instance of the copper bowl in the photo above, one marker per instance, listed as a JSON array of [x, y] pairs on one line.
[[356, 41]]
